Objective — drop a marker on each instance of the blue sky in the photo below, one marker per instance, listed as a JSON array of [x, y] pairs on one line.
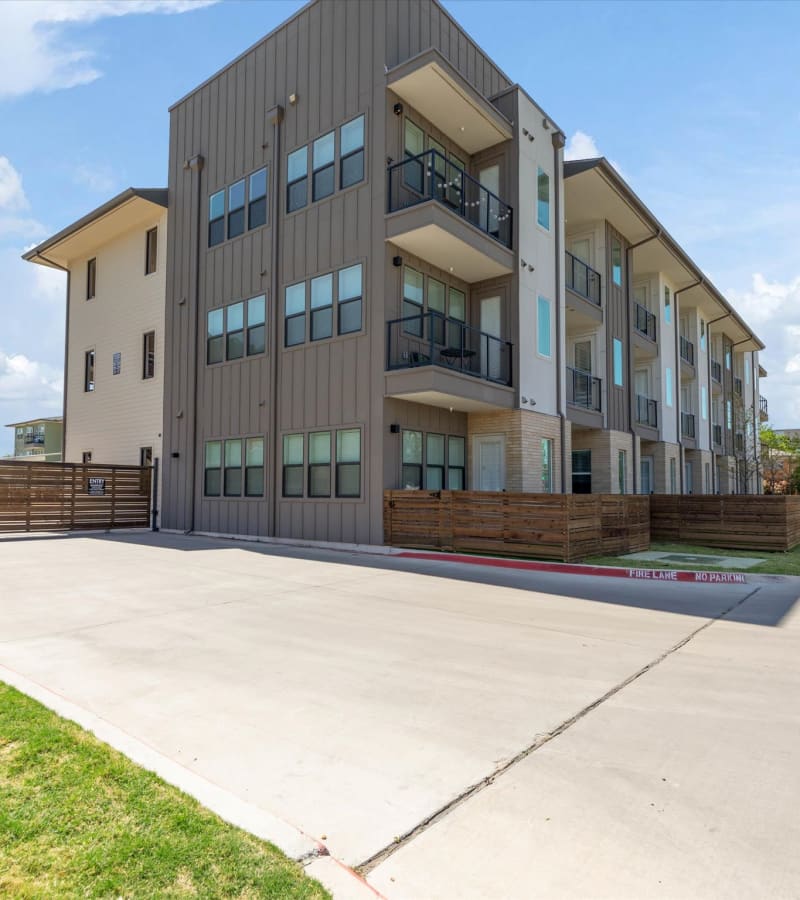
[[695, 102]]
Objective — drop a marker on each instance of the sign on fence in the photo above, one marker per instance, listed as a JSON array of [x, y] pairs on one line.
[[97, 487]]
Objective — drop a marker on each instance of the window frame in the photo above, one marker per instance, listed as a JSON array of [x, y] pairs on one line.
[[286, 468], [540, 174], [429, 466], [89, 365], [151, 251], [236, 210], [314, 466], [548, 353], [618, 358], [546, 446], [234, 332], [215, 220], [342, 463], [616, 248], [296, 315], [91, 278], [417, 466], [345, 157], [261, 198], [349, 301], [217, 468], [251, 327], [316, 312], [295, 181], [248, 467], [148, 355], [225, 467], [460, 468], [324, 167]]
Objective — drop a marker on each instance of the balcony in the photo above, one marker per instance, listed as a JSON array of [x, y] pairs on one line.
[[645, 321], [583, 390], [33, 439], [446, 217], [737, 386], [739, 442], [687, 425], [687, 350], [582, 279], [717, 429], [763, 408], [716, 371], [444, 362], [646, 411]]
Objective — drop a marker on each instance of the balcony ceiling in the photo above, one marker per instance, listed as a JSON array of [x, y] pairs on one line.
[[432, 86], [448, 389]]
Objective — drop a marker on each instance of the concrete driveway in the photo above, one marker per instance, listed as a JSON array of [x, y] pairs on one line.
[[369, 701]]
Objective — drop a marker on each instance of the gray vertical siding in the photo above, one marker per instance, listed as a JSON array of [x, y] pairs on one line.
[[617, 326]]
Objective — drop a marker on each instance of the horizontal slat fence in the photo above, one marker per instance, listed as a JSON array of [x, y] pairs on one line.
[[563, 527], [45, 496], [733, 521]]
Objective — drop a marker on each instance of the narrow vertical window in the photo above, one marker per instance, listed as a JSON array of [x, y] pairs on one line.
[[86, 457], [728, 358], [621, 471], [319, 464], [254, 467], [434, 462], [456, 463], [667, 305], [145, 456], [616, 261], [704, 401], [216, 218], [212, 485], [729, 414], [457, 313], [703, 335], [350, 296], [233, 468], [547, 466], [323, 169], [149, 355], [295, 314], [297, 180], [437, 304], [236, 209], [214, 336], [257, 199], [413, 298], [234, 331], [543, 198], [348, 463], [116, 364], [543, 327], [413, 146], [321, 307], [151, 251], [91, 278], [351, 150], [256, 317], [668, 386], [88, 371], [412, 460], [293, 465], [618, 379]]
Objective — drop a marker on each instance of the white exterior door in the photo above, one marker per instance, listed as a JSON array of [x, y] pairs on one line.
[[489, 463], [490, 349]]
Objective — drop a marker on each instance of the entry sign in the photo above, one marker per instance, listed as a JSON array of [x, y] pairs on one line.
[[97, 487]]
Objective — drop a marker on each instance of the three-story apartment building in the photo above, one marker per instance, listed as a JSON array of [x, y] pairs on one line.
[[38, 440]]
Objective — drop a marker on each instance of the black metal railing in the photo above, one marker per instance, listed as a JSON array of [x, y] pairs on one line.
[[716, 371], [717, 429], [582, 278], [687, 425], [687, 350], [34, 439], [646, 411], [739, 442], [583, 389], [645, 321], [737, 386], [431, 176], [763, 407], [431, 339]]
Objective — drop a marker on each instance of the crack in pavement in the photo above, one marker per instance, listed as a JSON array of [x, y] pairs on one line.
[[365, 867]]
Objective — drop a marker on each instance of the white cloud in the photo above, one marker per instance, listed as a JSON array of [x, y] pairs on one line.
[[16, 227], [581, 146], [12, 196], [34, 384], [99, 179], [35, 53]]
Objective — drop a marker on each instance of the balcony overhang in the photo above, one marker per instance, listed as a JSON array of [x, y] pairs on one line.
[[643, 346], [581, 313], [434, 88], [448, 389], [432, 232]]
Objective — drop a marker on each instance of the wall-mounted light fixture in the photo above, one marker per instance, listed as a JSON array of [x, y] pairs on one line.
[[394, 428], [397, 261], [292, 99], [398, 109], [175, 454]]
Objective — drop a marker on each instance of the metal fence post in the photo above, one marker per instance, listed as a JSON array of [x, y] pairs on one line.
[[154, 489]]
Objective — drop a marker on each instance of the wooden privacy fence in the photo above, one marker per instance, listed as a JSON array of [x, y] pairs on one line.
[[564, 527], [43, 496], [735, 521]]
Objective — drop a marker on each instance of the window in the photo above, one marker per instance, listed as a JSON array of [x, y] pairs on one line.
[[150, 251], [321, 307], [257, 206], [616, 261], [293, 465], [91, 278], [234, 331], [236, 209], [667, 306], [319, 464], [348, 463], [116, 364], [88, 371], [673, 476], [297, 180], [228, 338], [256, 317], [254, 467], [543, 199], [434, 462], [547, 466], [456, 463], [411, 476], [350, 294], [149, 355], [413, 298], [86, 457], [668, 386], [729, 414], [212, 484], [618, 380], [581, 471], [621, 470], [413, 145], [728, 358], [323, 172], [232, 484], [216, 218], [704, 401], [215, 340], [351, 149], [457, 309], [703, 334], [145, 456], [437, 304], [295, 312], [543, 327]]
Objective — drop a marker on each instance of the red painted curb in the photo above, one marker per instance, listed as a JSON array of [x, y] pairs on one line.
[[577, 569]]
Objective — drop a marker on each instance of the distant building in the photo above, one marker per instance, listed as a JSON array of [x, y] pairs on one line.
[[38, 440]]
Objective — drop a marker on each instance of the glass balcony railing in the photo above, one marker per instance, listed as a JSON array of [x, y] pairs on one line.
[[582, 279], [763, 407], [583, 389], [646, 411], [716, 371], [645, 321], [687, 350]]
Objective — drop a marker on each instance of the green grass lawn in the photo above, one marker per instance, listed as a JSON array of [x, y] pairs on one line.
[[78, 819], [774, 563]]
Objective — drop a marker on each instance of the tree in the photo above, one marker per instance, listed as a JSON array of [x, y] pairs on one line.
[[780, 462]]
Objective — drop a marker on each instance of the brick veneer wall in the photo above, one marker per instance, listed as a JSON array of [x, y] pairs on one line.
[[605, 445]]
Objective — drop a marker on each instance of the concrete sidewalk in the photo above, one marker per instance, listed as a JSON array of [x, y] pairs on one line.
[[354, 697]]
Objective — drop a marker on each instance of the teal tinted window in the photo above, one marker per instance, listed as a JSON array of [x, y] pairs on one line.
[[668, 391], [543, 198], [543, 326], [616, 261], [618, 380]]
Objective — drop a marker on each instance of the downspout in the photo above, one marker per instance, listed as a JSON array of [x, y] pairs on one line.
[[55, 265], [195, 164], [677, 325], [744, 408], [558, 144], [714, 481], [274, 118]]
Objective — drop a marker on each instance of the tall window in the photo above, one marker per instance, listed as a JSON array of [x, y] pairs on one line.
[[297, 180], [295, 312], [456, 463], [232, 480], [351, 149], [543, 327], [256, 318], [86, 457], [323, 171], [618, 379], [729, 415], [413, 145], [413, 298], [350, 294], [668, 386], [151, 251], [149, 355], [212, 484], [673, 476], [116, 364], [412, 459], [293, 465], [254, 467], [88, 371], [348, 463], [319, 464], [581, 471], [703, 334], [91, 278], [667, 305], [234, 328], [616, 261], [621, 470], [236, 209], [214, 339], [216, 218], [257, 204], [543, 198], [547, 466], [321, 307], [434, 462], [704, 401]]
